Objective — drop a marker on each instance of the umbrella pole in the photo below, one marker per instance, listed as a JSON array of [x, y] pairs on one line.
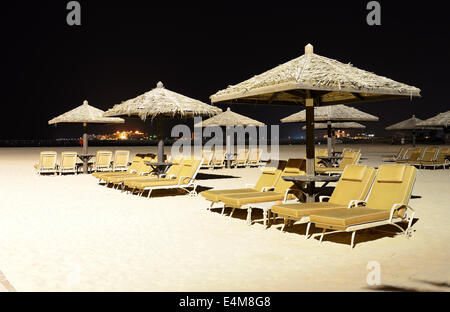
[[310, 170], [160, 139], [85, 147], [414, 138], [228, 147], [329, 138]]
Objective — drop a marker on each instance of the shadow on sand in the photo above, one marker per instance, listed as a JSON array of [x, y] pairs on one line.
[[209, 176]]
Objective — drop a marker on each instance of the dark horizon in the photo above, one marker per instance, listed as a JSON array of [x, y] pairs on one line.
[[120, 52]]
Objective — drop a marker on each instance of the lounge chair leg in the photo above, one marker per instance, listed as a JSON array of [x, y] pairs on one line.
[[307, 230], [353, 239], [232, 211], [149, 192], [321, 236], [285, 221], [249, 216], [223, 210]]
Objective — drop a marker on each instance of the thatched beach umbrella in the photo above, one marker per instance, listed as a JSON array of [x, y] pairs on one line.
[[441, 120], [313, 80], [408, 124], [330, 114], [85, 114], [160, 102], [228, 119]]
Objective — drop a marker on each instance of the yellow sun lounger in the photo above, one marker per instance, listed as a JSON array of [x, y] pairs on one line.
[[254, 157], [267, 180], [142, 170], [412, 155], [440, 160], [354, 184], [185, 180], [68, 162], [387, 203], [320, 152], [134, 167], [218, 159], [172, 173], [241, 158], [47, 163], [121, 160], [103, 161], [282, 190]]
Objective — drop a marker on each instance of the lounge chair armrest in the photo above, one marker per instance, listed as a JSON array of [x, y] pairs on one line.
[[249, 185], [322, 197], [287, 193], [267, 188], [356, 203], [183, 177], [398, 206]]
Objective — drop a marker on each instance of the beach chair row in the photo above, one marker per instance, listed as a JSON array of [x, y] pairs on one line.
[[48, 162], [422, 157], [243, 158], [364, 198], [141, 177]]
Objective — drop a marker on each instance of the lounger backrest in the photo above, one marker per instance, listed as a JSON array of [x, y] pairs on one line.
[[417, 153], [413, 153], [175, 169], [294, 166], [401, 153], [146, 168], [393, 185], [47, 160], [136, 163], [121, 158], [219, 156], [254, 155], [103, 159], [68, 160], [443, 152], [270, 175], [189, 169], [241, 155], [349, 158], [430, 154], [354, 184], [207, 156], [320, 152]]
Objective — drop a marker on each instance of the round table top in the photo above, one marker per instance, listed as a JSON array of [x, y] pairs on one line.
[[312, 178], [158, 163]]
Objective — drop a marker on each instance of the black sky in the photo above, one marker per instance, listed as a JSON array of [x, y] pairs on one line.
[[123, 49]]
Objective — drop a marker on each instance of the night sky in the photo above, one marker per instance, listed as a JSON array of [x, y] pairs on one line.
[[122, 49]]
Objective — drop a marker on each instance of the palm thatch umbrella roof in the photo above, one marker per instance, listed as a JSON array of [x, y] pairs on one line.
[[408, 124], [161, 101], [229, 118], [440, 120], [85, 113], [333, 82], [313, 80], [338, 125], [332, 113]]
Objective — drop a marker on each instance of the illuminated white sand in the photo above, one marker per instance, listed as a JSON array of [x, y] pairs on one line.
[[70, 234]]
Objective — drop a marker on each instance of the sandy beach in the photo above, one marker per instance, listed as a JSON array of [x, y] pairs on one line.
[[68, 233]]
